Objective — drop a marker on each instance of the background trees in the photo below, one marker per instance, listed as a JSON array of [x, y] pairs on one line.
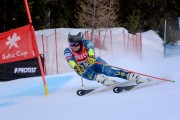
[[135, 15], [97, 13], [13, 14], [60, 13]]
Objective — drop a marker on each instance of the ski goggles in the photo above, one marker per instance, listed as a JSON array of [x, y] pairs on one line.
[[74, 44]]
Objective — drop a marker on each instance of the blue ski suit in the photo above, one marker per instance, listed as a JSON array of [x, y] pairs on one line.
[[80, 57]]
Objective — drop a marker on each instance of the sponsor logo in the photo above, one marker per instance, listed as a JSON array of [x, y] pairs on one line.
[[12, 55], [12, 41], [25, 70], [81, 57], [68, 55]]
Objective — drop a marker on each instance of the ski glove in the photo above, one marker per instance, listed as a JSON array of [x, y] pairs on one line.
[[79, 69], [91, 60]]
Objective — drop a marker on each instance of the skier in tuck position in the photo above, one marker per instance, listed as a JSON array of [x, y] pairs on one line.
[[80, 55]]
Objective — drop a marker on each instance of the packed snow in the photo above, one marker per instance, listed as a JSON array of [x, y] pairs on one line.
[[24, 99]]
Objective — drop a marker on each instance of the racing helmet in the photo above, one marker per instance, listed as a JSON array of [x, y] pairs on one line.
[[75, 38]]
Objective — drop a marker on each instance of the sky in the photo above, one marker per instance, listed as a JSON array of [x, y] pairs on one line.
[[24, 99]]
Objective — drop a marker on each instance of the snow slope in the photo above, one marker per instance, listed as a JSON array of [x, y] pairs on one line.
[[24, 99]]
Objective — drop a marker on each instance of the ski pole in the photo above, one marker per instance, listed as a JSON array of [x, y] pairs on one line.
[[136, 72], [82, 83]]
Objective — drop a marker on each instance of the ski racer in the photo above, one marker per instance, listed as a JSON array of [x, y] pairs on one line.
[[80, 55]]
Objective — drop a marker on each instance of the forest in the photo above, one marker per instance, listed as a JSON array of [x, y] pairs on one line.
[[134, 15]]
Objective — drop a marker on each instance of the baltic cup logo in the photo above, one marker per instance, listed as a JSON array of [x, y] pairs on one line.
[[12, 41], [13, 47]]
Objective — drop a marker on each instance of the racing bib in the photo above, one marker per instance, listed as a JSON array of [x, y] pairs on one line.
[[81, 56]]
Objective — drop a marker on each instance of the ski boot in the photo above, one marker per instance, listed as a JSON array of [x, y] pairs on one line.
[[104, 80], [135, 77]]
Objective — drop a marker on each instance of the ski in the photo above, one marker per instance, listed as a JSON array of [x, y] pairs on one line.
[[125, 88], [124, 85], [121, 88], [118, 87], [84, 92]]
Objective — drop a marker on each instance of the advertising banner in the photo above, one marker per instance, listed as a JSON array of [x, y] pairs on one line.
[[17, 44], [20, 69], [171, 50]]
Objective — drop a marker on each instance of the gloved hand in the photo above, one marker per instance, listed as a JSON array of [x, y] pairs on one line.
[[79, 69], [91, 60]]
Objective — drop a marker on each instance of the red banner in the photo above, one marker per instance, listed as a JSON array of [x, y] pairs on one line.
[[18, 44]]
